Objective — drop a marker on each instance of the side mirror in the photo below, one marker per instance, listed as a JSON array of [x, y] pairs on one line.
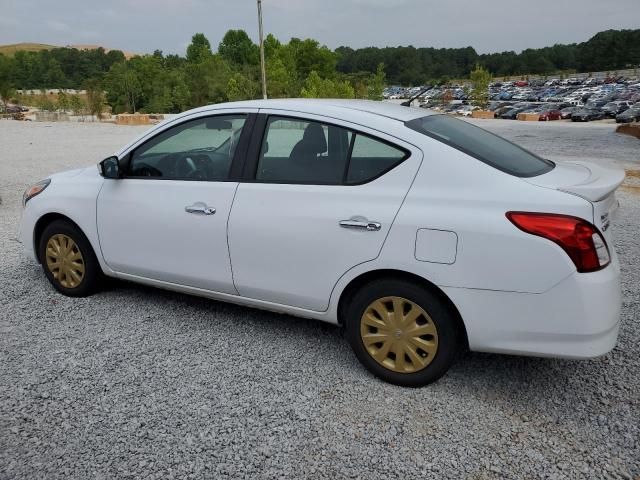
[[110, 167]]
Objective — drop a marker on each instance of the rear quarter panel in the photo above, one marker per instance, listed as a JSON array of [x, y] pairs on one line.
[[457, 193]]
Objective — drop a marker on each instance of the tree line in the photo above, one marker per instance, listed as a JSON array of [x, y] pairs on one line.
[[299, 68], [172, 83], [605, 51]]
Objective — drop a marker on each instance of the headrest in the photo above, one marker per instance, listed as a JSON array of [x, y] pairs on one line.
[[314, 138]]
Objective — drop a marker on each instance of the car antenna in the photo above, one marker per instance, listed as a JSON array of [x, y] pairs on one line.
[[407, 103]]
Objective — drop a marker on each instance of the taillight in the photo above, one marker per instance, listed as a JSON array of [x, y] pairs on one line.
[[581, 240]]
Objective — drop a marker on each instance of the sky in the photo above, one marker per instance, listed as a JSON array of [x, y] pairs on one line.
[[142, 26]]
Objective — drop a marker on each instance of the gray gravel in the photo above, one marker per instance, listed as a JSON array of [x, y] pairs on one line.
[[141, 383]]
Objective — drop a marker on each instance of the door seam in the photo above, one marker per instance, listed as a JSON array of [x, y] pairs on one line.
[[233, 280]]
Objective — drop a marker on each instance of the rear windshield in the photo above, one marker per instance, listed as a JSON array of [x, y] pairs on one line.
[[485, 146]]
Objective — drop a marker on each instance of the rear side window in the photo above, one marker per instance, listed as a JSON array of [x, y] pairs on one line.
[[482, 145], [300, 151], [308, 152], [371, 158]]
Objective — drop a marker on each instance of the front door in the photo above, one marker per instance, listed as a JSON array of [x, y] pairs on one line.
[[167, 218], [321, 201]]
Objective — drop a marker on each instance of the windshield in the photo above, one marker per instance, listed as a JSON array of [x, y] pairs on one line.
[[482, 145]]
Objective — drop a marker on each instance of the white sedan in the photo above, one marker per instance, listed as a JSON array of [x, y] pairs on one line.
[[419, 233]]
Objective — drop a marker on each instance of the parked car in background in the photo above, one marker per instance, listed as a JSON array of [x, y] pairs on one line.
[[353, 213], [15, 109], [566, 112], [513, 113], [466, 110], [558, 94], [612, 109], [550, 114], [587, 114], [503, 109], [630, 115]]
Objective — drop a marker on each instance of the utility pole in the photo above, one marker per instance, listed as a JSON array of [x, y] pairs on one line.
[[262, 69]]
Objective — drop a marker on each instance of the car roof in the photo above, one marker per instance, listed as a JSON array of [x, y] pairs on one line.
[[332, 107]]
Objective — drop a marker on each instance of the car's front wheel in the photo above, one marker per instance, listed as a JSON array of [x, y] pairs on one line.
[[401, 332], [68, 259]]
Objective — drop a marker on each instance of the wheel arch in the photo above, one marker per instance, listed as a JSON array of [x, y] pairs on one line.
[[42, 223], [367, 277]]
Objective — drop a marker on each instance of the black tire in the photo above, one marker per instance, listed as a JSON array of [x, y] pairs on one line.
[[448, 335], [92, 277]]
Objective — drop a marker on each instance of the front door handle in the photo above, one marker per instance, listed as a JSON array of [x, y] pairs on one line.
[[200, 208], [360, 224]]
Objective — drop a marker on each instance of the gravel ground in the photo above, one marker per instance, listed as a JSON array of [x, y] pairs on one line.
[[141, 383]]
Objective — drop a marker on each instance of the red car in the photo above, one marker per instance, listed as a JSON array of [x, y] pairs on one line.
[[521, 83], [550, 115]]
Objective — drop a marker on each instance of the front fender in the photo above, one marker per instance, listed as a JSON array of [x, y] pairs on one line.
[[71, 196]]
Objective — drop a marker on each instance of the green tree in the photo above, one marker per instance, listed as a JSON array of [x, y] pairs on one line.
[[377, 84], [6, 93], [6, 79], [179, 92], [199, 50], [208, 81], [241, 87], [77, 105], [95, 98], [480, 80], [271, 46], [280, 82], [311, 56], [124, 88], [316, 87], [63, 101], [236, 47]]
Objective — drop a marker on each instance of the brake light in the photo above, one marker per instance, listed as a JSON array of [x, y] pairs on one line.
[[578, 238]]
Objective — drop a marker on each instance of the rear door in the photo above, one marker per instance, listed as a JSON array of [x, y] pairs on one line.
[[318, 199]]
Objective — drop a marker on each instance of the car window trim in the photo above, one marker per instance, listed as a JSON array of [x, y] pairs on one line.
[[347, 165], [239, 156], [260, 130]]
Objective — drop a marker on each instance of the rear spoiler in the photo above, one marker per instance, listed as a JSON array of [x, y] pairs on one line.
[[601, 183], [584, 179]]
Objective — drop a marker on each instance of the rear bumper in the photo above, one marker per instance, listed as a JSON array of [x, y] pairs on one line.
[[578, 318]]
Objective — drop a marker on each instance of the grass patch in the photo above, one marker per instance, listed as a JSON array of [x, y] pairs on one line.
[[10, 50]]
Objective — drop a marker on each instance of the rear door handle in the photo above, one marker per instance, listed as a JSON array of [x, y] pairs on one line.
[[200, 208], [360, 224]]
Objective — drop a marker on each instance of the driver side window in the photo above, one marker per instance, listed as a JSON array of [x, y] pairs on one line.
[[200, 149]]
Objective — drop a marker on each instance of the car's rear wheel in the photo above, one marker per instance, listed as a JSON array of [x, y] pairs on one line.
[[68, 259], [401, 332]]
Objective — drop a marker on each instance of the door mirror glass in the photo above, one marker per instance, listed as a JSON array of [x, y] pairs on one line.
[[110, 167]]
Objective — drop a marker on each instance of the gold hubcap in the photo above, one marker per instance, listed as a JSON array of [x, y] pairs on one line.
[[64, 260], [399, 334]]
